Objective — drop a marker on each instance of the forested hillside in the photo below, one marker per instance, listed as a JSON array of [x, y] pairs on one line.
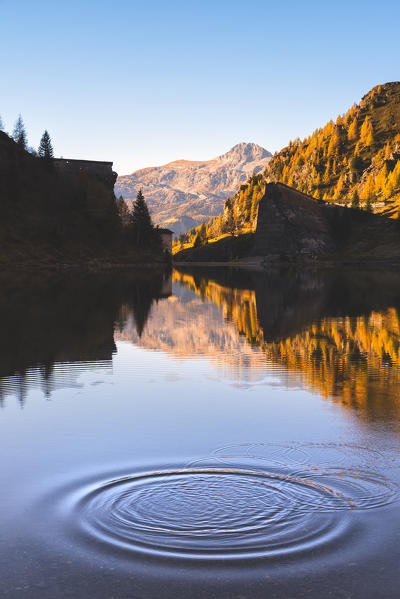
[[354, 160]]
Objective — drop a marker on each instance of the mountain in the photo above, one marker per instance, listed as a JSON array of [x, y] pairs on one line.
[[354, 160], [184, 193]]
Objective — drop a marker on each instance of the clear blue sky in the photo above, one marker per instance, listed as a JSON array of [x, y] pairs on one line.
[[143, 83]]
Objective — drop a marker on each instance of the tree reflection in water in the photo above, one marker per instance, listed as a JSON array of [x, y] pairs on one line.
[[340, 330], [67, 320], [336, 332]]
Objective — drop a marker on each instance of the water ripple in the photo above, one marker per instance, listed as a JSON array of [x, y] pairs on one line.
[[232, 504], [212, 513]]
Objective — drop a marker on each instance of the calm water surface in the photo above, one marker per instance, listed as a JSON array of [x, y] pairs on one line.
[[201, 434]]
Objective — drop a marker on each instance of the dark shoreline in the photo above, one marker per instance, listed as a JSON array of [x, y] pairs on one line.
[[87, 265], [265, 265]]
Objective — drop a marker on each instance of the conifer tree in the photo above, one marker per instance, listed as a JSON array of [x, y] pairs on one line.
[[393, 181], [333, 145], [326, 176], [19, 133], [123, 210], [352, 132], [366, 130], [201, 237], [230, 223], [368, 192], [141, 221], [370, 138], [45, 149], [381, 178], [218, 225], [355, 199]]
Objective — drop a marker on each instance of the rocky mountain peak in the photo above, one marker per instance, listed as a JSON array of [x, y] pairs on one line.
[[246, 152], [184, 193]]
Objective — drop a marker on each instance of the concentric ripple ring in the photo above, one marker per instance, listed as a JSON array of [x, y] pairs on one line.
[[212, 513]]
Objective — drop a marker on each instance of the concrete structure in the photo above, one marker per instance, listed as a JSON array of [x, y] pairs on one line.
[[290, 222], [101, 169], [166, 240]]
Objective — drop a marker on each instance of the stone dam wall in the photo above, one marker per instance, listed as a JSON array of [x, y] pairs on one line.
[[101, 169], [290, 222]]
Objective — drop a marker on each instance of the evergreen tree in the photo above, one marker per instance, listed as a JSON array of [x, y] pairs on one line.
[[203, 233], [368, 192], [201, 236], [368, 205], [393, 181], [326, 177], [142, 226], [19, 133], [381, 178], [45, 148], [230, 223], [355, 200], [123, 210], [352, 132], [370, 138], [366, 130], [333, 145], [197, 241]]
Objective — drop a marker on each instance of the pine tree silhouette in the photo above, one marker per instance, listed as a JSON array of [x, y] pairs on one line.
[[45, 149], [141, 221], [19, 133]]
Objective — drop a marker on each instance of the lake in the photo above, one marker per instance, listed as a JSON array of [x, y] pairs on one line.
[[200, 433]]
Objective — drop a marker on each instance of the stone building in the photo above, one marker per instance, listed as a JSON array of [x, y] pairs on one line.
[[166, 240]]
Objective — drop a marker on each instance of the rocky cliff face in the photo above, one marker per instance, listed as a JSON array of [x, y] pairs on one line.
[[290, 222], [184, 193]]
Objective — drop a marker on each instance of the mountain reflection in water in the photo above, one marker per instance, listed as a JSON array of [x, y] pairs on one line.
[[216, 433], [339, 330], [335, 332]]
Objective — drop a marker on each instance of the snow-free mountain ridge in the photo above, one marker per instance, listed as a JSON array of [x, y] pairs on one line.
[[184, 193]]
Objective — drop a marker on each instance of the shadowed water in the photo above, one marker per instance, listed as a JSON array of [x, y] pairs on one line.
[[227, 434]]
